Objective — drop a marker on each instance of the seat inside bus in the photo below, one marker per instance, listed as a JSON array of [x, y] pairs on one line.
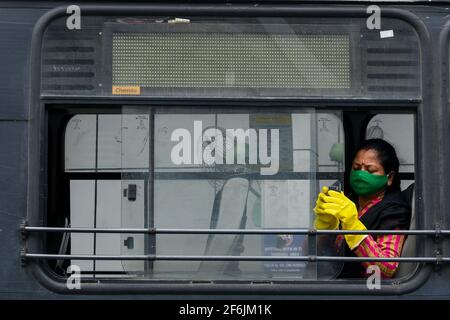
[[225, 216], [409, 247]]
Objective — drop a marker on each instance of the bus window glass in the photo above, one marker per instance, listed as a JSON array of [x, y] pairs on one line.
[[200, 169]]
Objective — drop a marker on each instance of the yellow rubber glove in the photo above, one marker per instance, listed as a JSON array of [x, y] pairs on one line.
[[324, 221], [336, 203]]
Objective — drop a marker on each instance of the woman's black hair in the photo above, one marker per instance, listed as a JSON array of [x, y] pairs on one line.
[[387, 157]]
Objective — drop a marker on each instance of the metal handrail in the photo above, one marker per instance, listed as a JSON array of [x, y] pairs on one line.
[[153, 257], [233, 258], [26, 229]]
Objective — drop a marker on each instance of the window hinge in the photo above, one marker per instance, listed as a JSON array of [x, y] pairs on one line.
[[130, 192], [129, 242]]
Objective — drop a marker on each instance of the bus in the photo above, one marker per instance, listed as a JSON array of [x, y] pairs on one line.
[[176, 149]]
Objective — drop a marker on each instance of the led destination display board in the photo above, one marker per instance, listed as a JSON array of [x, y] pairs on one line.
[[230, 60]]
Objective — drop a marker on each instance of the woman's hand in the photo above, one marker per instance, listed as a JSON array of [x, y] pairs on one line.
[[337, 204], [324, 220]]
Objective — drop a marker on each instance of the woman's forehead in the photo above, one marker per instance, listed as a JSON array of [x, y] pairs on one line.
[[367, 156]]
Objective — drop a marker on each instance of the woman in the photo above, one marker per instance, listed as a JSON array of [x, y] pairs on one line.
[[380, 206]]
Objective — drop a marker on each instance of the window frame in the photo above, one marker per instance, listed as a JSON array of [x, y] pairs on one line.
[[39, 137], [444, 91]]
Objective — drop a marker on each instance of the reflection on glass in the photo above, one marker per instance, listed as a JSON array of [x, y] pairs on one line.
[[398, 130], [206, 169]]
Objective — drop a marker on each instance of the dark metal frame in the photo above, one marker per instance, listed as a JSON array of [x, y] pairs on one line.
[[154, 257], [444, 94], [38, 161]]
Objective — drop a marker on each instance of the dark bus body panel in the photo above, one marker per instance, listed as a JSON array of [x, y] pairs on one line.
[[21, 191]]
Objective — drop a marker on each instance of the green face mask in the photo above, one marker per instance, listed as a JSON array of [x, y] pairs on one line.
[[365, 183]]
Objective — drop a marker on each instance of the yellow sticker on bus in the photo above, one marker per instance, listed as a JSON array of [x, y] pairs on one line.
[[126, 90]]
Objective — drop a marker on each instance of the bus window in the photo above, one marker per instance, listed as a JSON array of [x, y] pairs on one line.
[[201, 169]]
